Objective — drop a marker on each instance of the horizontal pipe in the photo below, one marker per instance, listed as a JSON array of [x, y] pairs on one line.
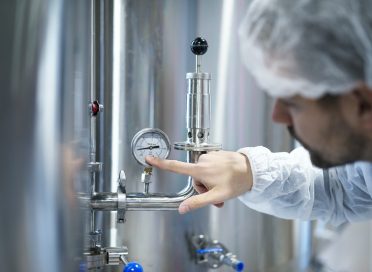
[[104, 201], [142, 202]]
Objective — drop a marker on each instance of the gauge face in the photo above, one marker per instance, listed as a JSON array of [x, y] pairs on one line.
[[150, 142]]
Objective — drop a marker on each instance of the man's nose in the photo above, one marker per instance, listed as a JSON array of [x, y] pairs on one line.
[[281, 114]]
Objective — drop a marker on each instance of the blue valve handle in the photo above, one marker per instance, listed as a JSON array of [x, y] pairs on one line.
[[239, 266], [234, 263], [209, 250], [133, 267]]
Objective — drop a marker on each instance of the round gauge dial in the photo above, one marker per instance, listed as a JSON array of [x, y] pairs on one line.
[[150, 142]]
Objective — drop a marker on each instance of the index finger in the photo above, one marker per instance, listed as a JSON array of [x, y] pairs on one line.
[[179, 167]]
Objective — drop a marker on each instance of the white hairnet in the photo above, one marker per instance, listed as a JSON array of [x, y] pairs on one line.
[[308, 47]]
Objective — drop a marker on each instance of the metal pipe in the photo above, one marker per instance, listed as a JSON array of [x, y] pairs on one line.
[[93, 95], [142, 202], [198, 126], [198, 107], [93, 120], [197, 64]]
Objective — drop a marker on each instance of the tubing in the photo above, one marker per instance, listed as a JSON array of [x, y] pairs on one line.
[[142, 202]]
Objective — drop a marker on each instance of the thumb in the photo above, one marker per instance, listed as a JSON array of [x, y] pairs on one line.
[[199, 201]]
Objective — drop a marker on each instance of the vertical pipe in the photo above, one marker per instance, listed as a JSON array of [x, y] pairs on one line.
[[303, 244], [93, 87], [228, 9], [93, 95], [198, 63], [118, 48], [303, 240]]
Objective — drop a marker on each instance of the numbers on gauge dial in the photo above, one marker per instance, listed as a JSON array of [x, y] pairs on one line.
[[150, 142]]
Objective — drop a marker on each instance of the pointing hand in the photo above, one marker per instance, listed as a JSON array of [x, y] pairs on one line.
[[217, 177]]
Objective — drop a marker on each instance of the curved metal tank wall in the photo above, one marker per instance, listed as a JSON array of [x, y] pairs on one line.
[[44, 81], [144, 56]]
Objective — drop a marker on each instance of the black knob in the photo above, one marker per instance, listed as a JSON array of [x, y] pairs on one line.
[[199, 46]]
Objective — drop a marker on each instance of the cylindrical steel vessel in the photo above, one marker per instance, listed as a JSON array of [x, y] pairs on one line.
[[144, 56], [140, 56], [44, 82], [198, 107]]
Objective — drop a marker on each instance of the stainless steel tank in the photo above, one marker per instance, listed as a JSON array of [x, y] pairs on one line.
[[143, 55], [44, 81], [136, 60]]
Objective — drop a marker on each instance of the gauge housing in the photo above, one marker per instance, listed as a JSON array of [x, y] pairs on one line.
[[150, 142]]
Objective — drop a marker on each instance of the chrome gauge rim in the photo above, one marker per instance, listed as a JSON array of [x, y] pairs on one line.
[[152, 137]]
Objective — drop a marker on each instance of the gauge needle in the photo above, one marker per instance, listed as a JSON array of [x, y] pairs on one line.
[[150, 147]]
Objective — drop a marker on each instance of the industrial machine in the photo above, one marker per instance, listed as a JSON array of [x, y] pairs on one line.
[[139, 79], [154, 142], [89, 88]]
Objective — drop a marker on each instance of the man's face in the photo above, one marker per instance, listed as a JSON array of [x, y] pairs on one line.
[[322, 129]]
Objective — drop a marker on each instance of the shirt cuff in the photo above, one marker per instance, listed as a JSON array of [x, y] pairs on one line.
[[257, 157]]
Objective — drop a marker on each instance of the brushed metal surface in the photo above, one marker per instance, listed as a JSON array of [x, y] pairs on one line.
[[144, 56], [44, 83], [141, 58]]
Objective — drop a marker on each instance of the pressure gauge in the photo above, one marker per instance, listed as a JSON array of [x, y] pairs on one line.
[[150, 142]]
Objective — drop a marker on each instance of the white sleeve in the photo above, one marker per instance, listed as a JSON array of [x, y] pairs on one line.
[[287, 185]]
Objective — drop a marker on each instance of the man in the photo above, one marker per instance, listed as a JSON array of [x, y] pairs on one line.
[[315, 58]]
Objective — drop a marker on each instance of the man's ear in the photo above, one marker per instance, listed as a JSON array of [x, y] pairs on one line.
[[362, 95]]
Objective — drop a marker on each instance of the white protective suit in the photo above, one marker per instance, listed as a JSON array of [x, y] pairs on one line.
[[288, 186], [308, 48]]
